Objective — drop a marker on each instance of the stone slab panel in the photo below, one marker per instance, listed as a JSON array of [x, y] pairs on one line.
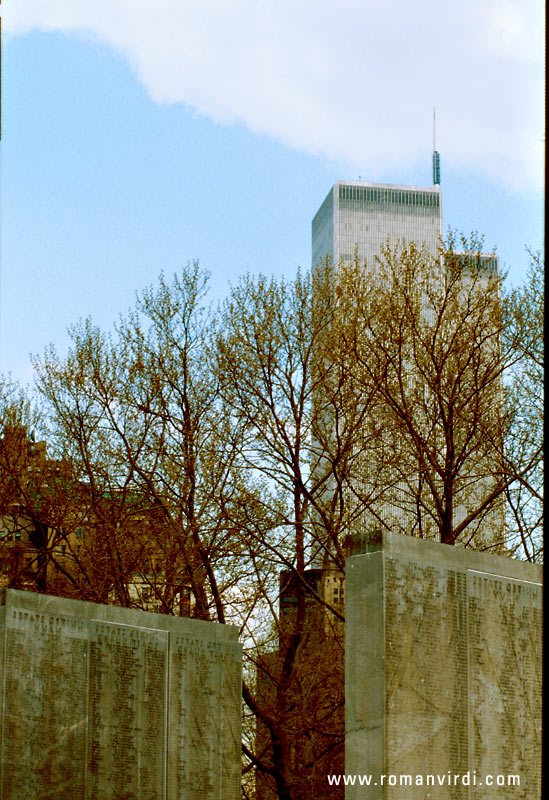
[[115, 704], [443, 671]]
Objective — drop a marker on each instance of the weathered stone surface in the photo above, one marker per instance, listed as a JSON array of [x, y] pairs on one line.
[[106, 703], [443, 671]]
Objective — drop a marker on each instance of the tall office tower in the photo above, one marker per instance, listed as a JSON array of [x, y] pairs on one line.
[[360, 217], [355, 222]]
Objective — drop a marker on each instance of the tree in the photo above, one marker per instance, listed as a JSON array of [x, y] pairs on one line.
[[272, 359], [190, 444], [427, 339], [523, 318], [214, 463], [138, 417]]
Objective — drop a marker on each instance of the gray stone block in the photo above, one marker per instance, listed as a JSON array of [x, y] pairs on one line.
[[443, 672], [106, 703]]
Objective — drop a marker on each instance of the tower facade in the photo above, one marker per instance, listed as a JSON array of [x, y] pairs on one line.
[[358, 218], [354, 224]]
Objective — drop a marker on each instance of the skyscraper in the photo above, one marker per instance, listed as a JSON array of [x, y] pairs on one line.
[[359, 217], [354, 224]]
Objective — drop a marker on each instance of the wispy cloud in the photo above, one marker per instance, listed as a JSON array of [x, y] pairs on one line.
[[354, 80]]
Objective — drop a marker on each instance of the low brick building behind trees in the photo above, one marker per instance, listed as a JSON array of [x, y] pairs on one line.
[[26, 484], [58, 536]]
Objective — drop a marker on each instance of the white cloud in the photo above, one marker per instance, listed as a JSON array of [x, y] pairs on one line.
[[355, 80]]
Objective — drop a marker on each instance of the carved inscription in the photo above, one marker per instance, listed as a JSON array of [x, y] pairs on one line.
[[449, 668], [231, 721], [505, 618], [204, 719], [194, 697], [45, 698], [99, 710], [462, 676], [127, 712], [426, 670], [453, 662]]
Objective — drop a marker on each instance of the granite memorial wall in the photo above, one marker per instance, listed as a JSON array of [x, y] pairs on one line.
[[106, 703], [443, 672]]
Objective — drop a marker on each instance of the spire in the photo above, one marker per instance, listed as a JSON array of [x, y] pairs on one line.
[[436, 156]]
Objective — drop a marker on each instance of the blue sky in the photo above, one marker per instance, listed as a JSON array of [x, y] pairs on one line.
[[133, 143]]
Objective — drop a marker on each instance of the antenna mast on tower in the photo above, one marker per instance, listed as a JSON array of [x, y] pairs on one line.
[[436, 156]]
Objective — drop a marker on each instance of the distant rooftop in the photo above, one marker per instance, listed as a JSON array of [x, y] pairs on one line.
[[375, 185]]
